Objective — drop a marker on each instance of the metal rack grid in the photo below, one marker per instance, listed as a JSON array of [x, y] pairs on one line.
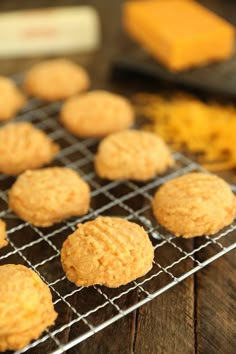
[[92, 309]]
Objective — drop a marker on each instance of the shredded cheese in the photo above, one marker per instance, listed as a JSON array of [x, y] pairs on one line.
[[188, 124]]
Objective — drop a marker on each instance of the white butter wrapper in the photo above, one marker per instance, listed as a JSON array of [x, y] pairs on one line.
[[49, 31]]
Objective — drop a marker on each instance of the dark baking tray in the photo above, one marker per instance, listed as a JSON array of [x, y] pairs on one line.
[[219, 78]]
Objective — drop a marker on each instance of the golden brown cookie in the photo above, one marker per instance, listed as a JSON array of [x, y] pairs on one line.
[[107, 251], [132, 154], [3, 235], [96, 114], [11, 99], [46, 196], [194, 204], [56, 79], [24, 147], [26, 307]]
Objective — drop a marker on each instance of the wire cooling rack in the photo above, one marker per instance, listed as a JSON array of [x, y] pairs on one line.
[[89, 310]]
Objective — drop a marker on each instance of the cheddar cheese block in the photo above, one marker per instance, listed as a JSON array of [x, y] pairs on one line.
[[179, 33]]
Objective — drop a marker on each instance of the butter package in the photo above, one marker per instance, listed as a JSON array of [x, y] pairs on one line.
[[49, 31], [179, 33]]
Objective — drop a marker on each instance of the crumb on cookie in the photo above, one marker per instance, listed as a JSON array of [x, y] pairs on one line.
[[194, 204], [26, 307], [47, 196], [22, 147], [107, 251], [11, 99], [132, 154], [56, 79], [3, 234], [97, 114]]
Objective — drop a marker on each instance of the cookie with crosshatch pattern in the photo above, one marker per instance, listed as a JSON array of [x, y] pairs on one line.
[[132, 154], [26, 307], [108, 251], [194, 204], [56, 79], [96, 114], [46, 196], [3, 235], [11, 99], [22, 147]]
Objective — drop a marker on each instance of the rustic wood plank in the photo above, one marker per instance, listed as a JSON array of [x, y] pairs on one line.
[[166, 324], [117, 338], [215, 307]]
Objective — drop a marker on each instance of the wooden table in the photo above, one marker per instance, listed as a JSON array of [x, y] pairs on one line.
[[199, 314]]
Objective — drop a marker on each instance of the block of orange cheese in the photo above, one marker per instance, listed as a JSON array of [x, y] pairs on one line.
[[179, 33]]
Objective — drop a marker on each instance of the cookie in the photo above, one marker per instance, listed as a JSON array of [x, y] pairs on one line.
[[24, 147], [46, 196], [3, 235], [96, 114], [107, 251], [56, 79], [11, 99], [26, 307], [132, 154], [194, 204]]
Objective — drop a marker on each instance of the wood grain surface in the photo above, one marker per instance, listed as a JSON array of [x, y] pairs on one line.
[[197, 316]]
